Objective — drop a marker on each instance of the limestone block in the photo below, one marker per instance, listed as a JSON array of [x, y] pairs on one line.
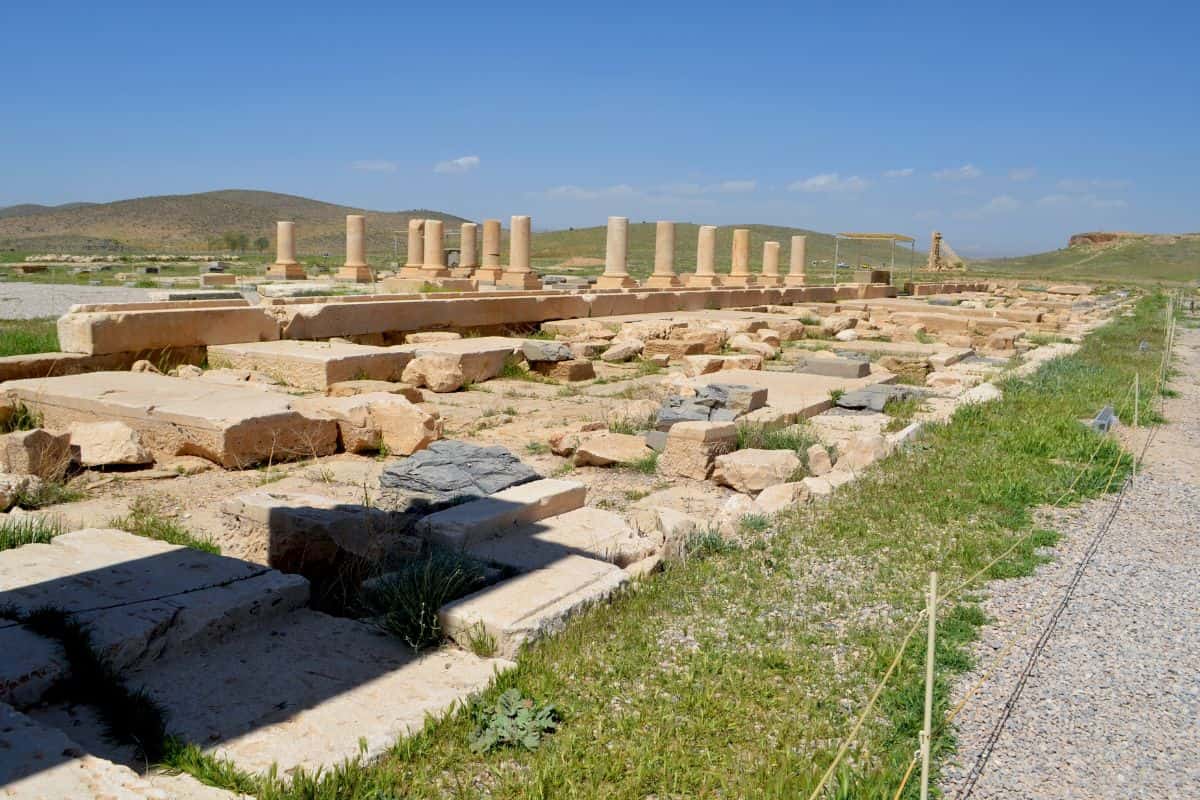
[[676, 349], [120, 331], [983, 393], [833, 367], [591, 348], [818, 488], [35, 452], [592, 532], [819, 461], [312, 365], [753, 470], [12, 487], [606, 449], [475, 360], [692, 448], [405, 427], [862, 450], [836, 323], [438, 372], [849, 335], [108, 444], [1004, 339], [745, 343], [623, 350], [465, 524], [781, 497], [532, 605], [573, 370], [424, 337], [771, 337]]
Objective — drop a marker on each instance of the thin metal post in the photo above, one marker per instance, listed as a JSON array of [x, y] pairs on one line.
[[837, 242], [1137, 396], [927, 730]]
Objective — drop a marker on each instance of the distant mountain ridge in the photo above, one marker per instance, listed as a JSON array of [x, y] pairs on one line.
[[191, 222]]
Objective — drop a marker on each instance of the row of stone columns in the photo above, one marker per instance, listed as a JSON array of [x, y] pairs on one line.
[[427, 256], [616, 254]]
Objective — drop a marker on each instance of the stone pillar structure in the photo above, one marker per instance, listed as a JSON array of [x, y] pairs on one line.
[[286, 266], [799, 259], [355, 269], [490, 271], [416, 249], [519, 275], [739, 271], [434, 265], [770, 267], [935, 253], [706, 254], [664, 258], [468, 246], [616, 255]]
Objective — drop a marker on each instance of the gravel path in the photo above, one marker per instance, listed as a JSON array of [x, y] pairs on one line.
[[1111, 708], [34, 300]]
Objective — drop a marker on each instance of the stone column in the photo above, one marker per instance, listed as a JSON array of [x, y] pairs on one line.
[[616, 254], [468, 243], [770, 268], [935, 253], [739, 271], [519, 275], [356, 269], [416, 249], [706, 253], [490, 271], [286, 266], [799, 260], [435, 250], [664, 258]]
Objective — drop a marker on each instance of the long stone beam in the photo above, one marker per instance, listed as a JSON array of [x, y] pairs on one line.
[[120, 330]]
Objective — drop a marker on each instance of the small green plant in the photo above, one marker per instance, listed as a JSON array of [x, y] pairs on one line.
[[513, 721], [22, 531], [901, 412], [144, 519], [924, 338], [407, 601], [754, 523], [835, 395], [797, 438], [706, 542], [480, 642], [21, 418], [633, 495], [647, 464], [536, 448], [47, 493], [570, 390]]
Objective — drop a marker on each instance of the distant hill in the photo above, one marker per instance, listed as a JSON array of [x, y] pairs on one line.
[[28, 209], [576, 245], [191, 222], [1117, 257]]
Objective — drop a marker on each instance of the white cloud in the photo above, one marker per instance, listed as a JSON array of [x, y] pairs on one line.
[[907, 172], [1087, 200], [1022, 174], [369, 165], [829, 182], [571, 192], [964, 173], [456, 166]]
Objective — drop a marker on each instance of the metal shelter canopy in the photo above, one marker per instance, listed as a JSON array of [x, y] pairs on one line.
[[875, 237]]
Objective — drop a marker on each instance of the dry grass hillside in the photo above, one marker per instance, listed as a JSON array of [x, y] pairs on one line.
[[191, 223]]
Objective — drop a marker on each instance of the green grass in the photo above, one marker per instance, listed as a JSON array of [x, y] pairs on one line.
[[20, 337], [48, 493], [1148, 261], [22, 531], [144, 520], [20, 418], [405, 602], [737, 673], [793, 437], [647, 464], [901, 412]]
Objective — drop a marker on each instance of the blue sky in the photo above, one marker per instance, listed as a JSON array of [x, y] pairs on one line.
[[1007, 127]]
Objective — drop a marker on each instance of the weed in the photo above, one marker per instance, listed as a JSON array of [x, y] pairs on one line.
[[407, 600], [570, 390], [924, 338], [47, 493], [759, 437], [20, 418], [144, 519], [647, 464], [480, 642], [536, 448], [835, 395], [901, 412], [754, 523], [512, 721], [20, 337], [28, 530], [633, 495]]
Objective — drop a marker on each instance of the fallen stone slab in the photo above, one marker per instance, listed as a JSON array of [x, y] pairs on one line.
[[530, 606], [35, 452], [351, 388], [752, 470], [100, 332], [478, 359], [576, 369], [833, 367], [141, 598], [536, 350], [102, 444], [306, 690], [591, 532], [370, 422], [313, 535], [312, 365], [790, 395], [450, 471], [605, 449], [235, 426], [462, 525], [876, 398]]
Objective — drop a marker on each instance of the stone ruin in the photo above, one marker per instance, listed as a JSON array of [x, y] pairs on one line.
[[942, 257]]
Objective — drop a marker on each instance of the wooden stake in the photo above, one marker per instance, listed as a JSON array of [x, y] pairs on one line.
[[927, 731]]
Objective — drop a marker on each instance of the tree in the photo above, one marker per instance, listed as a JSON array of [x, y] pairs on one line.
[[235, 241], [261, 244]]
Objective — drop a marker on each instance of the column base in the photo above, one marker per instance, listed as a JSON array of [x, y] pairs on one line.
[[519, 280], [355, 275], [794, 280], [739, 280], [410, 271], [662, 282], [695, 281], [434, 272], [767, 281], [615, 282], [488, 274], [287, 272], [462, 272]]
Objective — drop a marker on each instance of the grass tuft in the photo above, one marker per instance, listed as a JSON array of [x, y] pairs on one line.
[[144, 519], [28, 530], [406, 601]]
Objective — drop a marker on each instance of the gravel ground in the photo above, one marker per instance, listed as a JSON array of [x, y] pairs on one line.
[[34, 300], [1111, 708]]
